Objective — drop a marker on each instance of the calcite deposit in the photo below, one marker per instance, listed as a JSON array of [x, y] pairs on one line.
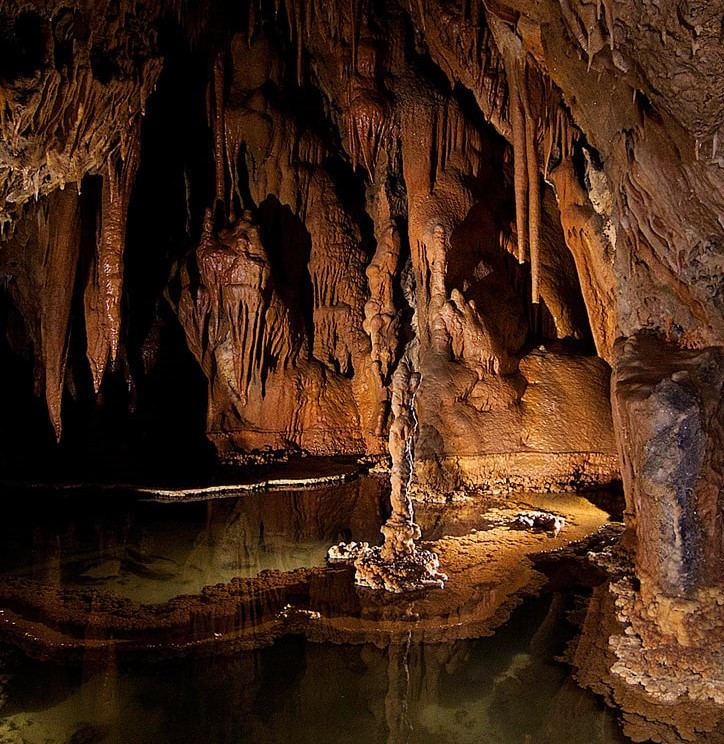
[[398, 565], [256, 210]]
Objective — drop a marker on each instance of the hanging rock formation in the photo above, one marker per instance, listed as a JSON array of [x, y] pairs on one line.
[[105, 285], [258, 368]]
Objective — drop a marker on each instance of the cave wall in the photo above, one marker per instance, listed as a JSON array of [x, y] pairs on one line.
[[358, 207]]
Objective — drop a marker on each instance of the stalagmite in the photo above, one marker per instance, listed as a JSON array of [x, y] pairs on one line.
[[400, 529], [398, 566]]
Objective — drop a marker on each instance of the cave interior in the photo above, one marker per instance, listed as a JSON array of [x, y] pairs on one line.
[[443, 253]]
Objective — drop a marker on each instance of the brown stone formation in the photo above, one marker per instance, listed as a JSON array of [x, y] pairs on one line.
[[525, 199], [398, 565]]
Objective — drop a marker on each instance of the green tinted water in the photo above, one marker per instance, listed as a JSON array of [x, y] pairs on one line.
[[506, 688]]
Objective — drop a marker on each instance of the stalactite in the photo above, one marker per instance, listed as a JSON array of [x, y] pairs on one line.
[[66, 126], [233, 138], [608, 15], [219, 130], [533, 206], [367, 115], [382, 321], [298, 11], [59, 233], [250, 22], [520, 168], [421, 8], [548, 142], [104, 289], [443, 138], [354, 31]]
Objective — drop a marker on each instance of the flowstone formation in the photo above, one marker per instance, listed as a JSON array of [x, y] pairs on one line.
[[398, 565]]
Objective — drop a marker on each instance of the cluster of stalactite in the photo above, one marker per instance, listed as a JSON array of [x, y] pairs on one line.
[[62, 120], [400, 132], [419, 150], [67, 103]]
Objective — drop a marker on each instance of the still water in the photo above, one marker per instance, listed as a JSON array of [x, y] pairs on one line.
[[149, 552], [505, 688]]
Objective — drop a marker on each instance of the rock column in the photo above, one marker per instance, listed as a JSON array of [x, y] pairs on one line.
[[400, 530], [398, 565]]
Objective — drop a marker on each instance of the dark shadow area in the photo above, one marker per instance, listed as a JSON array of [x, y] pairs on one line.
[[288, 245], [23, 45], [148, 420]]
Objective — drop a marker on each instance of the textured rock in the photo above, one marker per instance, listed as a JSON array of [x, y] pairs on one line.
[[242, 334], [398, 565], [668, 410]]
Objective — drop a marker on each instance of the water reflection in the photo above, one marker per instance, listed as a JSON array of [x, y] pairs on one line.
[[149, 552], [70, 566], [498, 690]]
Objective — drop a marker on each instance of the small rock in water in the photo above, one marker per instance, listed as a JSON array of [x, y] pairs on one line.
[[417, 571], [346, 551], [538, 520]]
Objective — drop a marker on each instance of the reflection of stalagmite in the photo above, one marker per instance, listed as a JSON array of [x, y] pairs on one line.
[[397, 714]]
